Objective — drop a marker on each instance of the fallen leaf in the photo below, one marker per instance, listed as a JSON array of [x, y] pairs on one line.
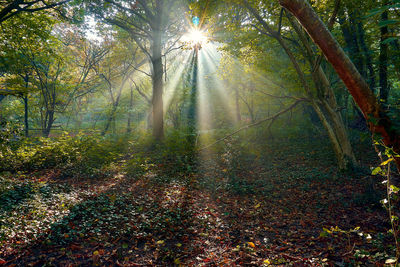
[[390, 261], [251, 244]]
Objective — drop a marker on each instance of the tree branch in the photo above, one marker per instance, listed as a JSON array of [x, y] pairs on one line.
[[273, 117]]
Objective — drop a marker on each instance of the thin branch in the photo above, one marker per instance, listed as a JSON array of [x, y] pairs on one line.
[[280, 97], [256, 123]]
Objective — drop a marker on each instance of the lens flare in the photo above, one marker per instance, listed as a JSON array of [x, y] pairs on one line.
[[196, 37]]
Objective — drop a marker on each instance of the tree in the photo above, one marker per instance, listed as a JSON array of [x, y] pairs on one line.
[[154, 29], [320, 93], [10, 8], [379, 122]]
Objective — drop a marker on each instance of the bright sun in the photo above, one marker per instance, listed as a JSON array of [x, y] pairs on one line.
[[196, 37]]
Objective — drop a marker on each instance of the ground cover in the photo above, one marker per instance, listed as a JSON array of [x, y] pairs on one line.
[[288, 206]]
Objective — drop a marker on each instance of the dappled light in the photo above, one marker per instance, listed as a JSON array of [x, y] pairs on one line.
[[199, 133]]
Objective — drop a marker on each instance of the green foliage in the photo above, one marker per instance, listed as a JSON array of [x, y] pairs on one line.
[[80, 155], [175, 156]]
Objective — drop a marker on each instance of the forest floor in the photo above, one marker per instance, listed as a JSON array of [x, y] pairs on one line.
[[289, 207]]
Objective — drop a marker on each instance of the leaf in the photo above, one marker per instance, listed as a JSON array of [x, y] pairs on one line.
[[257, 206], [388, 22], [95, 253], [124, 245], [386, 162], [390, 261], [394, 188], [251, 244], [113, 198], [160, 242], [376, 171], [179, 245], [266, 262], [389, 40]]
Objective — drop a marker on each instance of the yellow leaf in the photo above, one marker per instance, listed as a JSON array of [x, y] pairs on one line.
[[257, 206], [177, 261], [267, 262], [160, 242], [387, 161], [179, 245], [251, 244], [95, 253]]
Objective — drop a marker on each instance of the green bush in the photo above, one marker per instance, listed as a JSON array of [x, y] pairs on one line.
[[82, 154]]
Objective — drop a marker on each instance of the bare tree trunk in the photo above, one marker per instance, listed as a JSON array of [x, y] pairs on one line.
[[129, 127], [156, 61], [237, 105], [379, 122], [25, 97], [48, 123]]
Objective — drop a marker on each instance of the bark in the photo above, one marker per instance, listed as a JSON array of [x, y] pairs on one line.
[[378, 121], [157, 75]]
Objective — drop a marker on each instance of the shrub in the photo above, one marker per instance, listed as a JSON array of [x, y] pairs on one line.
[[82, 154]]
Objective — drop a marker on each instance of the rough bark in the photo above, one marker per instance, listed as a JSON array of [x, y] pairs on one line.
[[378, 121]]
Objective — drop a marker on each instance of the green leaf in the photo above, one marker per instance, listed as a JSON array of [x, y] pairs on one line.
[[389, 40], [376, 171], [395, 189], [388, 22]]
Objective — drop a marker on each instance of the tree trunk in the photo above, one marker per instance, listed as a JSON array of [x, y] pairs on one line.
[[157, 75], [25, 97], [237, 105], [129, 127], [379, 123], [48, 123], [326, 106]]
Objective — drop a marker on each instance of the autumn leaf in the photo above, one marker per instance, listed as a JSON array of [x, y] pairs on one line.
[[251, 244]]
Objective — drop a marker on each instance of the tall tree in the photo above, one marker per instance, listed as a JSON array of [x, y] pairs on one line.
[[320, 93], [378, 120], [155, 30]]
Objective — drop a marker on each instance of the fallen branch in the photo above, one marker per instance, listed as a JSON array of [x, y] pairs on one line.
[[273, 117]]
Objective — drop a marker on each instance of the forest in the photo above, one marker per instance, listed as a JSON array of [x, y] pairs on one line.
[[199, 132]]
